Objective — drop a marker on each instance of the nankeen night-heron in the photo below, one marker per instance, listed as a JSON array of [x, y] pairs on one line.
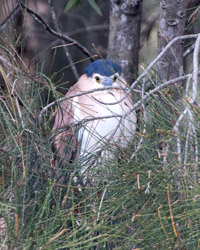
[[104, 118]]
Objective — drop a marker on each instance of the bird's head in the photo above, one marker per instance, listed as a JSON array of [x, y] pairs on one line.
[[103, 72]]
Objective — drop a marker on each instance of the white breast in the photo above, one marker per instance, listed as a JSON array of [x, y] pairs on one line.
[[99, 135]]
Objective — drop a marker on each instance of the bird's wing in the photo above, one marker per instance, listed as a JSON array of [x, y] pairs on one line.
[[64, 129]]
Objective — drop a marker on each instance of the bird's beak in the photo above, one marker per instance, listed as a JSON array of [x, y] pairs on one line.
[[107, 82]]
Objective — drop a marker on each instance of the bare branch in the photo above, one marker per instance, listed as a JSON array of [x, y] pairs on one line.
[[66, 38], [19, 113], [101, 202], [71, 96], [196, 149], [89, 29], [189, 50], [145, 97], [6, 61], [158, 88], [67, 53], [195, 69], [145, 120], [188, 115], [12, 118], [186, 149], [135, 106], [162, 53], [9, 18]]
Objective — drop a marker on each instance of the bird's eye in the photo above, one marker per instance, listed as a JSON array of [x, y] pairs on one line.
[[115, 78], [98, 79]]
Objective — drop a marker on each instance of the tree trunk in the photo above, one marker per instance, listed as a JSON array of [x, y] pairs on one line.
[[124, 35], [171, 25]]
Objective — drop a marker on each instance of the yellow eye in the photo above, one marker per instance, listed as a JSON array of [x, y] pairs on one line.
[[114, 78], [98, 79]]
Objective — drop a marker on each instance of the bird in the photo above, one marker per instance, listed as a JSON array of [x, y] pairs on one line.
[[96, 117]]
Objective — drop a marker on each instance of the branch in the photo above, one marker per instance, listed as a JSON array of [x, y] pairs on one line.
[[151, 92], [67, 53], [80, 123], [135, 106], [158, 88], [89, 29], [188, 115], [189, 50], [66, 38], [162, 53], [195, 69], [145, 121], [72, 96], [9, 18], [101, 202]]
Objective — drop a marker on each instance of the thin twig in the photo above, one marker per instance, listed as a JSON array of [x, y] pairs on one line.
[[145, 120], [19, 113], [151, 92], [189, 50], [188, 86], [158, 88], [101, 202], [162, 53], [16, 226], [186, 148], [4, 24], [61, 99], [195, 69], [187, 113], [162, 225], [135, 106], [66, 38], [171, 213], [8, 110], [89, 29], [175, 128], [56, 236], [67, 53], [196, 149], [145, 98]]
